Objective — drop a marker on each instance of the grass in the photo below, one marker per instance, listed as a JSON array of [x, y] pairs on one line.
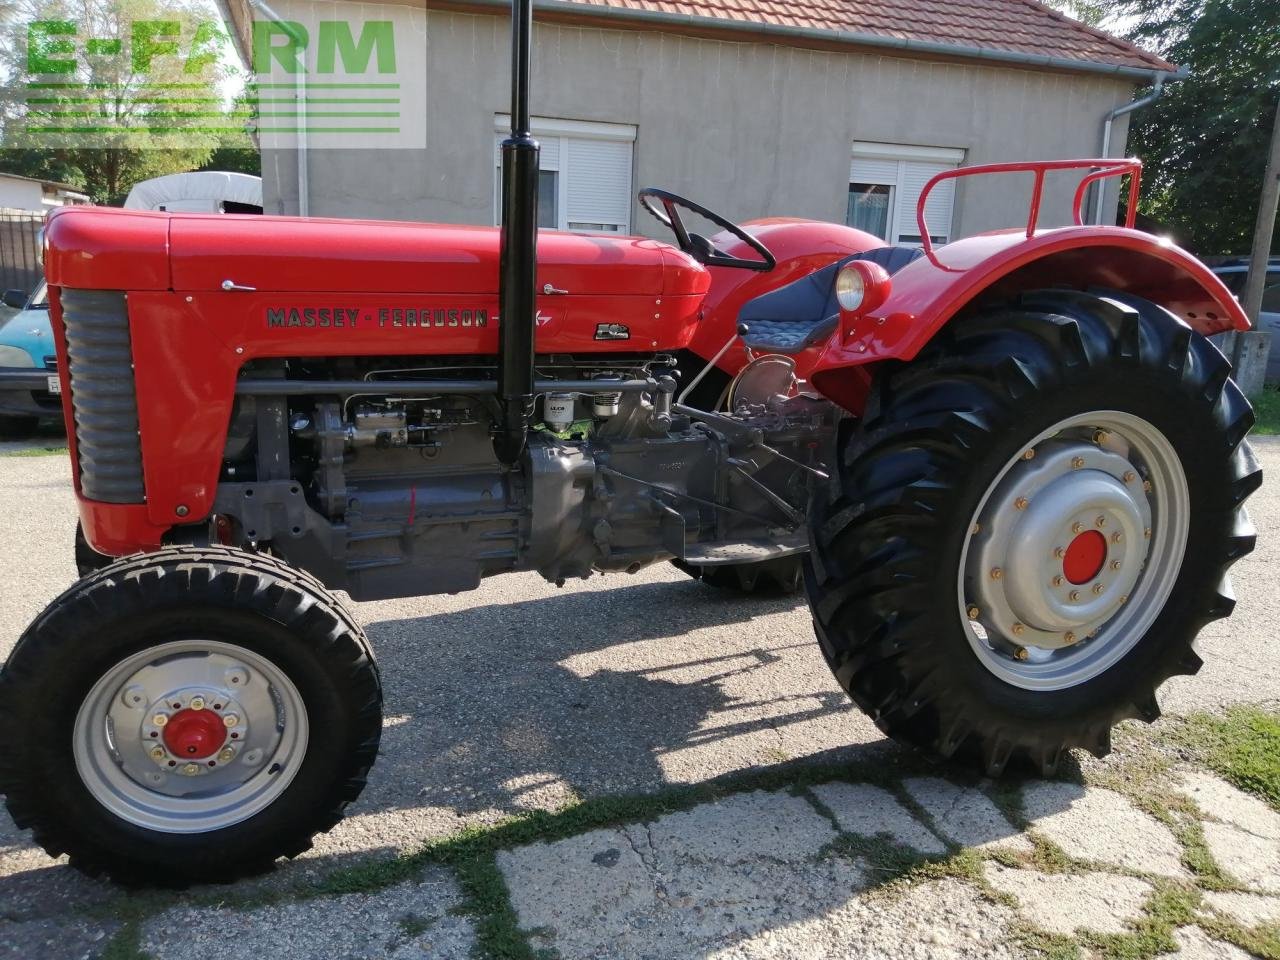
[[1266, 406], [1242, 746], [34, 452]]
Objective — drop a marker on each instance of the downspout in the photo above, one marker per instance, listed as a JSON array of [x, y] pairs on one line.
[[1156, 93], [304, 180]]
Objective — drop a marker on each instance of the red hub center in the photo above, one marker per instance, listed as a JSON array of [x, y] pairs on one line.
[[1085, 557], [194, 734]]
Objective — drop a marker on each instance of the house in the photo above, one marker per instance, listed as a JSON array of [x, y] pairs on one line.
[[29, 195], [831, 109]]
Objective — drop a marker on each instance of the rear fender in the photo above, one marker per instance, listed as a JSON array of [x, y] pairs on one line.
[[993, 268]]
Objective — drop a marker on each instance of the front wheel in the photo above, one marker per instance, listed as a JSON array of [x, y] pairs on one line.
[[1031, 525], [187, 716]]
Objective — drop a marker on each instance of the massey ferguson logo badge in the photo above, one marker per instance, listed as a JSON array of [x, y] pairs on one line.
[[331, 317]]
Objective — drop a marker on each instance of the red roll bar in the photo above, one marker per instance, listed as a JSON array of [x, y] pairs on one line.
[[1100, 170]]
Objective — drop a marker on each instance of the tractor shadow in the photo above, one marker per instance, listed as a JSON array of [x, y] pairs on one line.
[[511, 706]]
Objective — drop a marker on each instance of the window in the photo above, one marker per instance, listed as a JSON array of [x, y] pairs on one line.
[[1271, 293], [584, 181], [885, 182]]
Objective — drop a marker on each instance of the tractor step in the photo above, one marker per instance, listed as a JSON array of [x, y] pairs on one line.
[[746, 551]]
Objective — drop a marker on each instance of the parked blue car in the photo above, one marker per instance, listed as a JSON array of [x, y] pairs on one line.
[[29, 386]]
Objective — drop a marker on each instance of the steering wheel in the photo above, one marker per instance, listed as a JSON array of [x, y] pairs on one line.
[[697, 246]]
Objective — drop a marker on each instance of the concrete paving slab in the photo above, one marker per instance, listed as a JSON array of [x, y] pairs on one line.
[[1195, 944], [1253, 861], [870, 811], [943, 920], [1067, 903], [1247, 909], [410, 921], [743, 828], [966, 816], [1222, 801], [1101, 826]]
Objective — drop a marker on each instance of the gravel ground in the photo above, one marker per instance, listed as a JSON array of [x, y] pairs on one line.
[[520, 696]]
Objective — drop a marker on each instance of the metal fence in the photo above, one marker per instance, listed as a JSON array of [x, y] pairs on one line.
[[20, 250]]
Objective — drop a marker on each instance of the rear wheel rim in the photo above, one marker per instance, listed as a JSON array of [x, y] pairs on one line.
[[187, 780], [1043, 608]]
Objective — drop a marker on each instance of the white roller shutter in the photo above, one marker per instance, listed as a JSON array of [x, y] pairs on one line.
[[907, 169], [598, 184], [941, 200]]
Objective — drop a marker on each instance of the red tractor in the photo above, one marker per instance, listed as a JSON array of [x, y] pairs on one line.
[[1010, 472]]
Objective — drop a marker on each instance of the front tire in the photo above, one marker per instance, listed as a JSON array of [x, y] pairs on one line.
[[1030, 526], [187, 716]]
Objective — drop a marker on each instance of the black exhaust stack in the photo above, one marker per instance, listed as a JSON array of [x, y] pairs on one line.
[[517, 283]]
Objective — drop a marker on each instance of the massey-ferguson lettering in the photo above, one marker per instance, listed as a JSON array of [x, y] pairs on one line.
[[1009, 471]]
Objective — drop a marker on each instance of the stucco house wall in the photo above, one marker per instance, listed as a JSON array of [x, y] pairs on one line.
[[748, 129]]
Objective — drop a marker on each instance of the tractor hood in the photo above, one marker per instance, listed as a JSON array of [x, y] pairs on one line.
[[99, 248]]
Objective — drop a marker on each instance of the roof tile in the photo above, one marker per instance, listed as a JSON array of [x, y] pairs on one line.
[[1022, 26]]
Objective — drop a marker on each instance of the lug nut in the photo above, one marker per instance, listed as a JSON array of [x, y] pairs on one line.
[[1019, 629], [1100, 520], [1077, 463], [1021, 653], [996, 573], [1077, 528], [1147, 533], [1115, 564], [1124, 600], [1058, 581], [197, 703], [1069, 638], [230, 720], [1100, 437], [157, 753], [1075, 595], [191, 769], [1059, 552], [226, 755], [1098, 588], [972, 613], [1130, 476], [1029, 455], [1117, 537], [160, 719], [1146, 486], [1021, 503], [975, 529]]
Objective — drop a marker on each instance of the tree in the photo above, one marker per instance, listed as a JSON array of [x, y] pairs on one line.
[[1204, 144], [105, 93], [1092, 12]]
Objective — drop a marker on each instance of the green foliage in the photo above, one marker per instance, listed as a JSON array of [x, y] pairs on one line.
[[103, 121], [1266, 406], [1204, 144], [1086, 11]]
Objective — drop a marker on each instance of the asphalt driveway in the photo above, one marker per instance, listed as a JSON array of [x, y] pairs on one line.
[[523, 697]]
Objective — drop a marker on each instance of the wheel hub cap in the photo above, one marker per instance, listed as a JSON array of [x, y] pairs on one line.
[[1085, 557], [1074, 550], [194, 734]]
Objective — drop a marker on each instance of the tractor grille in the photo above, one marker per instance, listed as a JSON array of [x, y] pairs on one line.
[[100, 365]]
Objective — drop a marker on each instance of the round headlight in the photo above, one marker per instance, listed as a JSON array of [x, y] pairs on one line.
[[851, 289]]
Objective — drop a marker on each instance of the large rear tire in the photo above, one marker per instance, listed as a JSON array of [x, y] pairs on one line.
[[1029, 527], [187, 716]]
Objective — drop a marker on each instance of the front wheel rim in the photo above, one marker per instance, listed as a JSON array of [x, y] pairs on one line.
[[1074, 550], [190, 736]]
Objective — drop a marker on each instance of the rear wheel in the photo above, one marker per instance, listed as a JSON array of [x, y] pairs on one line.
[[1030, 526], [187, 716]]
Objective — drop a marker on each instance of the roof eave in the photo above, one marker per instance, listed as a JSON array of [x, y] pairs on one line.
[[841, 37]]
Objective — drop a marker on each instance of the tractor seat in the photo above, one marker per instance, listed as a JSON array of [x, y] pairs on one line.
[[804, 312]]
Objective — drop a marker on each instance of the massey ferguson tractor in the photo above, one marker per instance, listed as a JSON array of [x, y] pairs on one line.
[[1010, 472]]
